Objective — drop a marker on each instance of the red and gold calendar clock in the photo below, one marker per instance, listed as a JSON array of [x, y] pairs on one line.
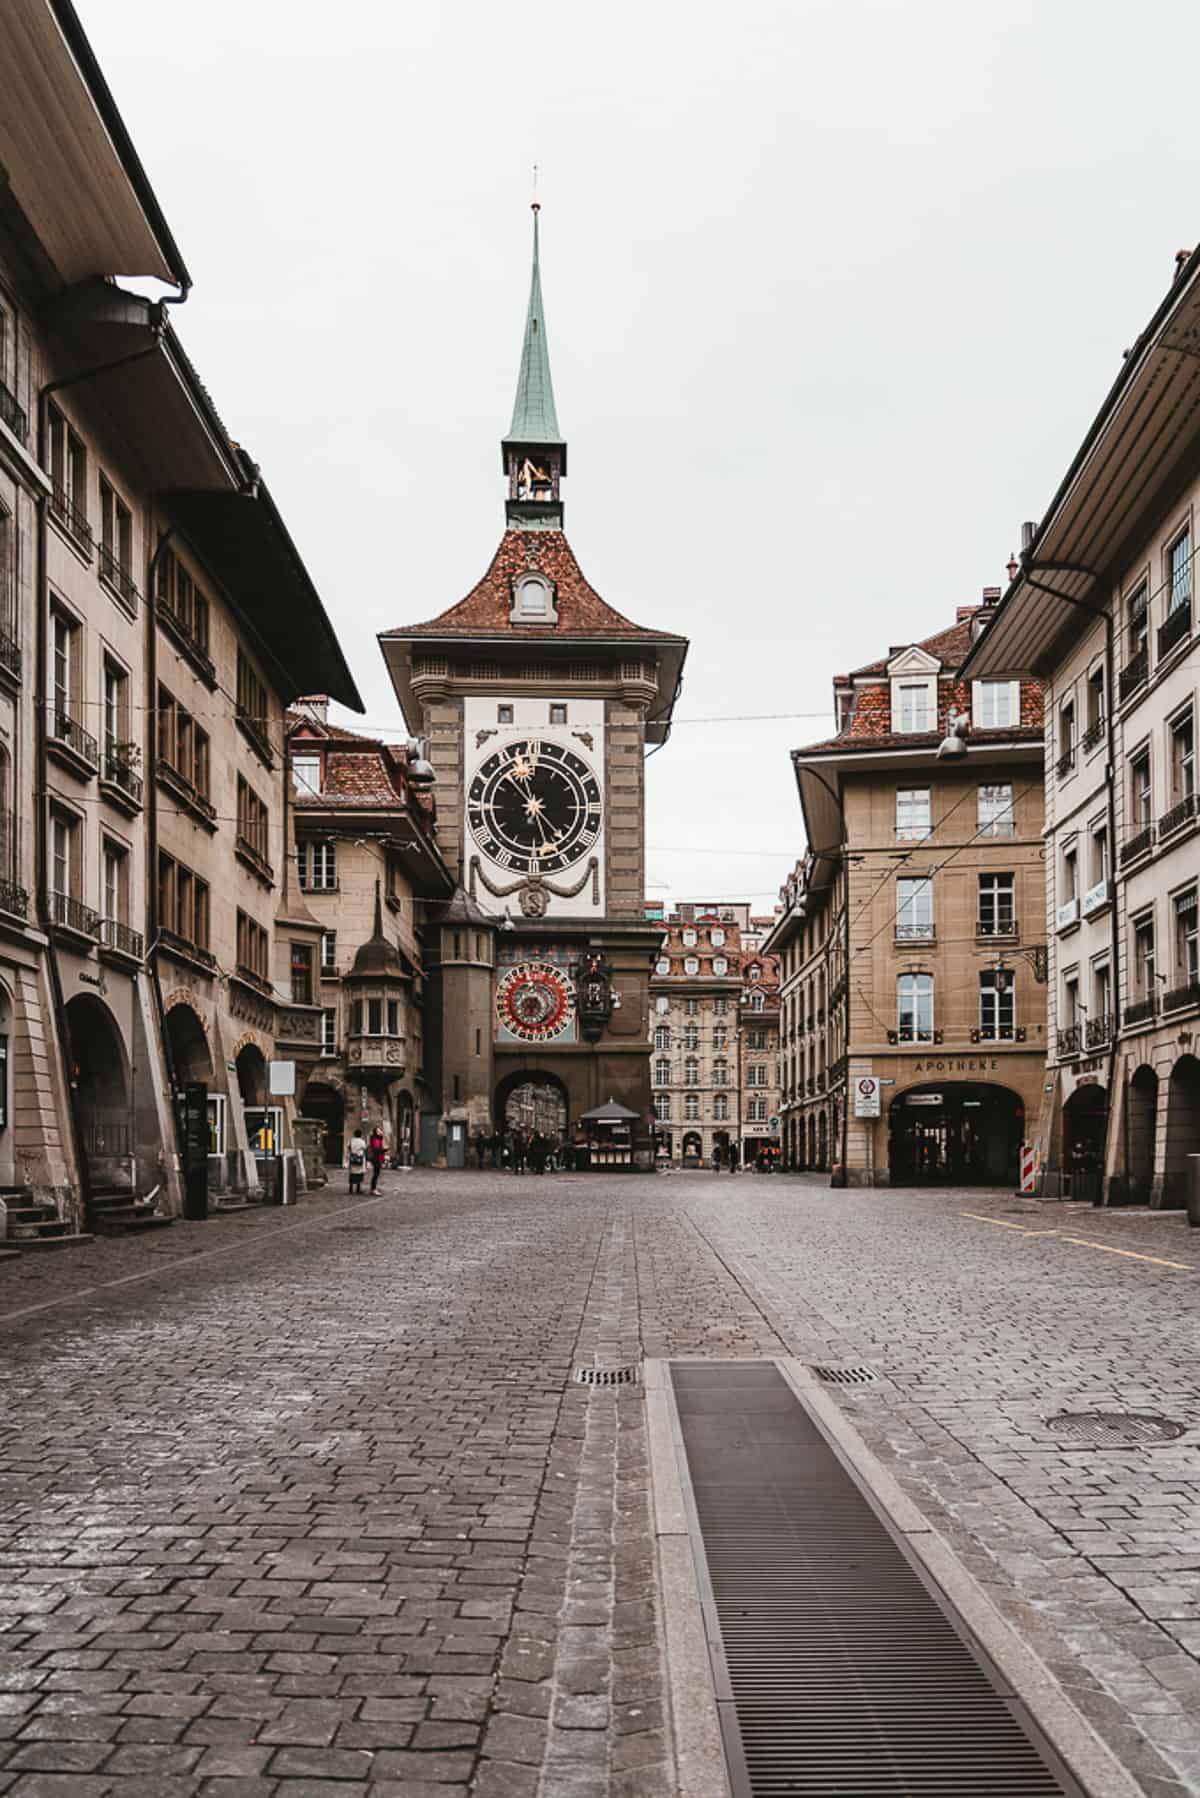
[[535, 1003]]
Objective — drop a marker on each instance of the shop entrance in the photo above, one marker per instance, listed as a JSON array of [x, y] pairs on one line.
[[955, 1134], [1085, 1123], [326, 1105]]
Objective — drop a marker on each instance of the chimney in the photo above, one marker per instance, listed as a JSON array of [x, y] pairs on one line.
[[1182, 258], [962, 613], [1028, 532], [314, 706], [991, 596]]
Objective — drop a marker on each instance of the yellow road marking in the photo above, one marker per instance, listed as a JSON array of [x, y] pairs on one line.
[[1105, 1249], [1082, 1242]]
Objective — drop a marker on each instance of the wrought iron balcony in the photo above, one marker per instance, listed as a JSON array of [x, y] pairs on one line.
[[1069, 1041], [72, 735], [118, 936], [1179, 996], [12, 414], [1137, 845], [118, 769], [1065, 763], [999, 1033], [70, 913], [1135, 672], [10, 653], [1093, 734], [75, 520], [1176, 626], [117, 578], [1141, 1011], [1003, 927], [1098, 1031], [914, 933], [14, 899], [1178, 815]]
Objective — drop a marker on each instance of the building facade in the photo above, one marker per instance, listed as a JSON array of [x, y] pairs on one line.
[[939, 984], [537, 700], [696, 994], [759, 1051], [807, 937], [156, 621], [1102, 609]]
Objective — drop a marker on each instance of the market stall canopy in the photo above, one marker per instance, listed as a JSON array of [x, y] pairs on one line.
[[610, 1113]]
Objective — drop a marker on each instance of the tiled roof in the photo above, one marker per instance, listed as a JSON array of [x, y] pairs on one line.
[[949, 646], [487, 607]]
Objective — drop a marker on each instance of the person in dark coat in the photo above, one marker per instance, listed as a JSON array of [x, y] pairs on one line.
[[376, 1155]]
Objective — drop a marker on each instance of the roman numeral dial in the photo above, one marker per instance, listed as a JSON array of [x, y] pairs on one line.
[[534, 807]]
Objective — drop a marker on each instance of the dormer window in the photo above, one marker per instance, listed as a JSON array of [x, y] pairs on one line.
[[689, 938], [533, 600], [916, 712]]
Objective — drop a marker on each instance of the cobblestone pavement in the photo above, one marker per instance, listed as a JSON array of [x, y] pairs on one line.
[[297, 1504]]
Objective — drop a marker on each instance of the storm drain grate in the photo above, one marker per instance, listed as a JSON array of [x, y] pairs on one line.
[[835, 1668], [353, 1229], [606, 1376], [846, 1376], [1114, 1429]]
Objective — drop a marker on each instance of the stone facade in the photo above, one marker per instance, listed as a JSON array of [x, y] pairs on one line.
[[936, 986], [1111, 630], [154, 622], [696, 994]]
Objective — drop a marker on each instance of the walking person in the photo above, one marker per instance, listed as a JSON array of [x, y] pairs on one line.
[[356, 1160], [376, 1155]]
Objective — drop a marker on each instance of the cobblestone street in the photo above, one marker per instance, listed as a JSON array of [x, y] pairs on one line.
[[299, 1502]]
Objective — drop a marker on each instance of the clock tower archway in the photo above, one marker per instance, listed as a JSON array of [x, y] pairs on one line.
[[537, 700]]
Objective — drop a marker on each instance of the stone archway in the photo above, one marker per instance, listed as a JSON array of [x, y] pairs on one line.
[[955, 1133], [1141, 1133], [812, 1140], [1183, 1128], [823, 1142], [191, 1057], [1085, 1125], [532, 1101], [251, 1066], [99, 1068], [328, 1106]]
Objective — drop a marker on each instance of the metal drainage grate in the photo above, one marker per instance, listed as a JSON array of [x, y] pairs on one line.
[[352, 1229], [846, 1376], [836, 1670], [1114, 1429], [606, 1376]]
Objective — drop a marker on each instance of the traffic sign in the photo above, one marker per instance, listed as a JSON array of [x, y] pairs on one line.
[[866, 1096]]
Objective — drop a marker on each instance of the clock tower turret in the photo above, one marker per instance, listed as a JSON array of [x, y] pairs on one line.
[[537, 699]]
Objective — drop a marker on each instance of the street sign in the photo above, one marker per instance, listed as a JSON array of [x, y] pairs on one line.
[[924, 1099], [282, 1079], [773, 1126], [866, 1097]]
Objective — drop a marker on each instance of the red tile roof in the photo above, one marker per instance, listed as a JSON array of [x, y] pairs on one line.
[[950, 645], [487, 607]]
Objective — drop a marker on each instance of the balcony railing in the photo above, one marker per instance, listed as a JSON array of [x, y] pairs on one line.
[[1098, 1031], [13, 897], [70, 732], [997, 927], [1141, 1011], [72, 914], [68, 513], [1069, 1041], [1175, 627], [1179, 996], [10, 653], [1135, 672], [914, 933], [1177, 816], [1065, 763], [117, 578], [118, 936], [118, 770], [1137, 845], [12, 414], [1093, 734], [999, 1033]]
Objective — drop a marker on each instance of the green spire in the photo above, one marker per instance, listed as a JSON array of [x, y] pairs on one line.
[[534, 419]]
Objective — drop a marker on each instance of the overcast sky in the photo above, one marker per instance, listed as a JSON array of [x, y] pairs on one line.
[[832, 289]]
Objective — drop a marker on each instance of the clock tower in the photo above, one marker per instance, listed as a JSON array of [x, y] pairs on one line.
[[538, 700]]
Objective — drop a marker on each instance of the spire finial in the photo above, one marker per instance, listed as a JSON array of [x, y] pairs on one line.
[[378, 910], [535, 205]]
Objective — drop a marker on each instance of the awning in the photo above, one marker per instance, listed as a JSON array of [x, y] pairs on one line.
[[70, 162], [610, 1113], [1123, 475]]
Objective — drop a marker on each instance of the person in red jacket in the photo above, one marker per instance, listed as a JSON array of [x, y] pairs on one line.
[[376, 1155]]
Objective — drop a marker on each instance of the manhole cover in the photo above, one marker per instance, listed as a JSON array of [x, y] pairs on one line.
[[845, 1376], [1115, 1429], [606, 1376]]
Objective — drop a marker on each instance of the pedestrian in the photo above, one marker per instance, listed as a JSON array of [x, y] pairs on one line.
[[537, 1152], [520, 1150], [356, 1160], [733, 1158], [376, 1155]]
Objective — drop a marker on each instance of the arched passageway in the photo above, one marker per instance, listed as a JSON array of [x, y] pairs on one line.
[[1141, 1133], [957, 1133], [533, 1104], [324, 1103], [191, 1058], [100, 1077], [1183, 1128], [1085, 1125], [252, 1074]]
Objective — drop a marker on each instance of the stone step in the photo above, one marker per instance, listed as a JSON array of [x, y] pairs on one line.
[[118, 1220], [10, 1254], [32, 1214], [41, 1229], [54, 1242]]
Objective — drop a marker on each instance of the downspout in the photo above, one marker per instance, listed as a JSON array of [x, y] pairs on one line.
[[1104, 613]]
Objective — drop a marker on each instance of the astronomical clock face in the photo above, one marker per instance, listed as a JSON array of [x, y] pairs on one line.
[[535, 1002], [534, 806]]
